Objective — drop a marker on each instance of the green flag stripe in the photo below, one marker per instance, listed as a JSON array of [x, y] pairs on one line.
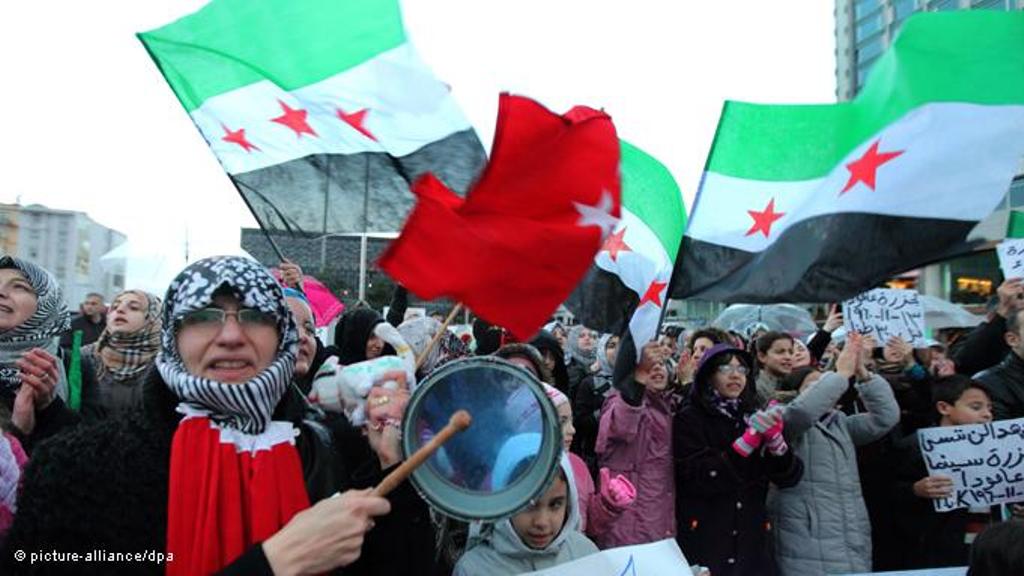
[[650, 192], [229, 44], [971, 57], [1015, 225]]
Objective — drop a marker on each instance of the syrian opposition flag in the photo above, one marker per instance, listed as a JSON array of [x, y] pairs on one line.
[[819, 203], [527, 232], [632, 270], [314, 107]]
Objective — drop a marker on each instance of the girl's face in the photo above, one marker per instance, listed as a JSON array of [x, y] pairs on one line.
[[700, 346], [541, 522], [565, 421], [778, 360], [585, 340], [730, 379], [128, 313], [374, 347], [561, 336], [657, 379], [801, 356], [611, 349]]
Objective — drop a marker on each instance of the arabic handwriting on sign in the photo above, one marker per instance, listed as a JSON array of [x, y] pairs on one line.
[[630, 569]]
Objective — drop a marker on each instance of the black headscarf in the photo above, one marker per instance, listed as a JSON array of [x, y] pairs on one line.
[[545, 341], [353, 331]]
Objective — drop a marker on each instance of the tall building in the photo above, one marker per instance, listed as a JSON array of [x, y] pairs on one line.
[[69, 244], [864, 30]]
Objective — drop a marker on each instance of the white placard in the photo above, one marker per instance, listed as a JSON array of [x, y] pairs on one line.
[[885, 313], [959, 571], [662, 558], [985, 461], [1011, 257]]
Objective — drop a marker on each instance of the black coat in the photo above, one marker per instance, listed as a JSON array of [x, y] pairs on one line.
[[1005, 385], [983, 348], [927, 539], [105, 487], [720, 496]]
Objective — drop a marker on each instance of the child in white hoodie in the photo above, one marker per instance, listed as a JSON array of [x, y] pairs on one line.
[[543, 535]]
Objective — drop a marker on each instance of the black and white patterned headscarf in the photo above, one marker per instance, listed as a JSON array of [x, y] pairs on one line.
[[124, 356], [246, 407], [41, 330]]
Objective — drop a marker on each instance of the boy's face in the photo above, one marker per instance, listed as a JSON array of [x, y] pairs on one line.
[[972, 407], [539, 524]]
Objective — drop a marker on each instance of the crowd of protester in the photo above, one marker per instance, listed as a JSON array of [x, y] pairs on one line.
[[760, 452]]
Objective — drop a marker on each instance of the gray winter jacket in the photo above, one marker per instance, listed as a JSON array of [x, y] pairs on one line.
[[500, 550], [821, 524]]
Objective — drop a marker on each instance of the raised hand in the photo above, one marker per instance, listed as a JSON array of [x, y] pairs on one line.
[[850, 356], [291, 274], [39, 370], [1011, 296], [834, 320]]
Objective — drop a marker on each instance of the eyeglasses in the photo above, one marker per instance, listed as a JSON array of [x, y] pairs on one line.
[[727, 369], [217, 317]]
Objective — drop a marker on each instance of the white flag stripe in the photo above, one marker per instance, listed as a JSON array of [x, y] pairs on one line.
[[407, 109], [646, 261], [957, 161]]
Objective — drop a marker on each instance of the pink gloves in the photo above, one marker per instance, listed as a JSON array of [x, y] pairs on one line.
[[764, 425], [617, 493], [746, 444]]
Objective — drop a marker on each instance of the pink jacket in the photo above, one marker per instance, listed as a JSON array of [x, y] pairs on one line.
[[636, 441], [596, 515]]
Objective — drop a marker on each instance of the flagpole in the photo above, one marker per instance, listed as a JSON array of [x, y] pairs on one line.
[[366, 221], [327, 194], [266, 234], [437, 337]]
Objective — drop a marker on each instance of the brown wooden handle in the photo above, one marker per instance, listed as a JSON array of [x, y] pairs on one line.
[[458, 422], [437, 337]]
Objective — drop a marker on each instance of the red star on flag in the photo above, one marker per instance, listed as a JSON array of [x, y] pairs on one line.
[[238, 137], [763, 220], [616, 244], [653, 294], [865, 168], [355, 120], [294, 118]]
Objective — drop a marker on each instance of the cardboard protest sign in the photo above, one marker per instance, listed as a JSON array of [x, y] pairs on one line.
[[885, 313], [1011, 257], [662, 558], [985, 461]]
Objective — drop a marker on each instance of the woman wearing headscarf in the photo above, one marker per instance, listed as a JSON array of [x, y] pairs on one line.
[[418, 333], [554, 358], [590, 397], [582, 353], [355, 338], [32, 379], [209, 473], [114, 367]]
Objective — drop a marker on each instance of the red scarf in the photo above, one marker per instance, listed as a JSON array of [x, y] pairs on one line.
[[228, 491]]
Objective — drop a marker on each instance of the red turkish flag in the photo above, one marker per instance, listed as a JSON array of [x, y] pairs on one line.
[[527, 232]]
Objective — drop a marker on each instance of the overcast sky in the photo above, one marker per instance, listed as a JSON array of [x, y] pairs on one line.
[[89, 123]]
